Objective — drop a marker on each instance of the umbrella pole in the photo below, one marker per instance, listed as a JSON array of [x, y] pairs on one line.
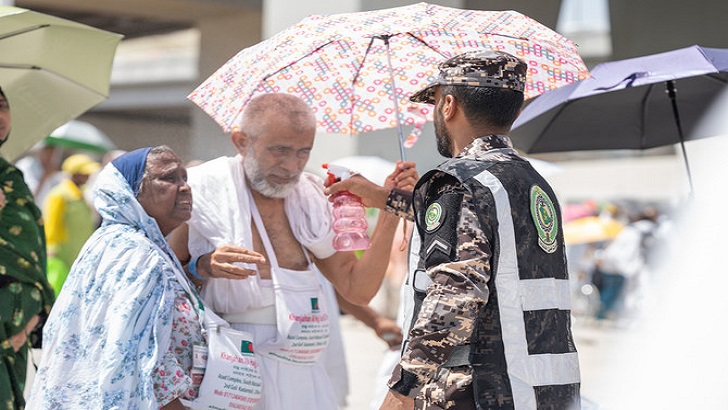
[[394, 98], [672, 93]]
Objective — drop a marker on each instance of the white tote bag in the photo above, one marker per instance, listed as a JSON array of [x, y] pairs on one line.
[[232, 379]]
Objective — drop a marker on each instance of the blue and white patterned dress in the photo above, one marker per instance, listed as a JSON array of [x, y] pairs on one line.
[[110, 334]]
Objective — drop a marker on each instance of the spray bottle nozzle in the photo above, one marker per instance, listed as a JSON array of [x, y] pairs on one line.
[[338, 173]]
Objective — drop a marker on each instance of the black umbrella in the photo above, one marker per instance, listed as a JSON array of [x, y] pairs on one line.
[[628, 104]]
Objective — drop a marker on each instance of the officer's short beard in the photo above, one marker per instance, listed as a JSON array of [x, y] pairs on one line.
[[442, 135]]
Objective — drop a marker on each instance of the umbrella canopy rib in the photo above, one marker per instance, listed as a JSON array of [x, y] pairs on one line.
[[294, 61], [718, 78], [424, 43], [356, 78], [23, 31], [643, 116], [363, 60], [51, 72], [20, 66], [284, 67], [395, 99]]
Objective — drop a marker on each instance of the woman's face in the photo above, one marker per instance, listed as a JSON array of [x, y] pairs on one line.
[[4, 119], [165, 195]]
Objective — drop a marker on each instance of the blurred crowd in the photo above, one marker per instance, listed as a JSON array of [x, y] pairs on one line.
[[614, 250], [58, 178]]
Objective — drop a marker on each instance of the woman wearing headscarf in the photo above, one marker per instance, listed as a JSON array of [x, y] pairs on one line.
[[120, 335], [24, 289]]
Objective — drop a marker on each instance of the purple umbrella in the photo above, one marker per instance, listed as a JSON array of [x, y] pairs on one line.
[[628, 104]]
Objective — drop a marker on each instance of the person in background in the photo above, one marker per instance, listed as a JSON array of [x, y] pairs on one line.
[[70, 220], [623, 261], [121, 333], [487, 314], [24, 290], [334, 358], [261, 232], [41, 169], [396, 274], [88, 192]]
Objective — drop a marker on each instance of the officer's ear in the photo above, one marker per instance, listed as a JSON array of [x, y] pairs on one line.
[[450, 107]]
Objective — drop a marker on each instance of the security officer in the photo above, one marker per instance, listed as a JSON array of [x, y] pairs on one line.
[[487, 320]]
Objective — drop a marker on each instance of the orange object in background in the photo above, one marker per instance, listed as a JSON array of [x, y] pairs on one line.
[[591, 229]]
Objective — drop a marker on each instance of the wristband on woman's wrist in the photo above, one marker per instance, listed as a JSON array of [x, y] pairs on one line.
[[192, 268]]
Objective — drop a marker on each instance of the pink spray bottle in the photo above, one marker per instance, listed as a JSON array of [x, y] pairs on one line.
[[350, 222]]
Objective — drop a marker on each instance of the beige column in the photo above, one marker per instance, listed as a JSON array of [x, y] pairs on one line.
[[279, 14], [221, 38]]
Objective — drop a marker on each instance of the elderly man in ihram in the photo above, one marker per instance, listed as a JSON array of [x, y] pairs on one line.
[[261, 231]]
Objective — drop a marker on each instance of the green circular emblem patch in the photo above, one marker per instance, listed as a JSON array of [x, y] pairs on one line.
[[433, 217], [544, 217]]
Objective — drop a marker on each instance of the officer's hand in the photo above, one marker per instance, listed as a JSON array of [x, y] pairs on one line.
[[396, 401], [404, 177], [372, 195]]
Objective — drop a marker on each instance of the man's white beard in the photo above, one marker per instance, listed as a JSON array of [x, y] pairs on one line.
[[261, 185]]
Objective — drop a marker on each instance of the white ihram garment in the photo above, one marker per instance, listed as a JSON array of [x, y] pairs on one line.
[[222, 215]]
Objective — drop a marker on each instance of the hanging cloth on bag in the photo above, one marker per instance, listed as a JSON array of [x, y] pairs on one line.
[[302, 318]]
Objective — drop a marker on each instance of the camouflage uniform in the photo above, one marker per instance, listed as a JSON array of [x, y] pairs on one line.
[[489, 315]]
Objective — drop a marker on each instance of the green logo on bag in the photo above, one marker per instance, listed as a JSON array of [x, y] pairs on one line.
[[543, 213], [314, 305], [246, 347]]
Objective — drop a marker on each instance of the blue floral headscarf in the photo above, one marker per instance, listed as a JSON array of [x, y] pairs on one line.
[[131, 165]]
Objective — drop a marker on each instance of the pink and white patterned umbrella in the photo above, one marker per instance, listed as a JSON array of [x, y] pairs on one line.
[[345, 65]]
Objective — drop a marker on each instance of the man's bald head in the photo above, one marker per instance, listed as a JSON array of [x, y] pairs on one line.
[[283, 107]]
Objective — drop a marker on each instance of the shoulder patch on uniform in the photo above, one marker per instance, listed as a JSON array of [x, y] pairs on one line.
[[434, 216], [438, 224], [544, 217]]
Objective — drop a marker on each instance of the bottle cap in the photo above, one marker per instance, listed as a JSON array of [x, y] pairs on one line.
[[339, 172]]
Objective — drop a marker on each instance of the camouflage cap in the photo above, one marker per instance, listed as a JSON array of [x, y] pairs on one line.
[[486, 68]]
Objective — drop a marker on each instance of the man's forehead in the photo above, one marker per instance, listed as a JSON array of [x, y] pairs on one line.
[[283, 135]]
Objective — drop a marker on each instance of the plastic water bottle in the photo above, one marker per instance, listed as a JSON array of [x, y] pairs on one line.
[[350, 224]]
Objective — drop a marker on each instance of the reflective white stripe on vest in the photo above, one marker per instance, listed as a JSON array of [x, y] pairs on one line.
[[408, 293], [514, 296], [547, 293]]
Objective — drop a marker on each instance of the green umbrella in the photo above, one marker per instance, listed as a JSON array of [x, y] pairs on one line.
[[51, 70], [80, 135]]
